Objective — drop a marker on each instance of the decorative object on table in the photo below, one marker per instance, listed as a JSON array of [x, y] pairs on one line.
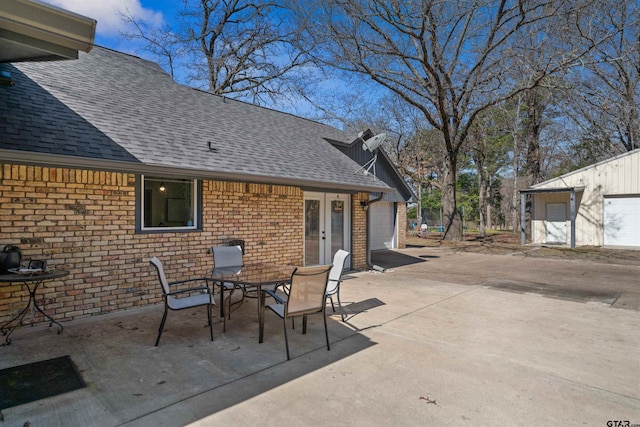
[[196, 296], [38, 264], [307, 295], [10, 257], [335, 275], [39, 380], [35, 266]]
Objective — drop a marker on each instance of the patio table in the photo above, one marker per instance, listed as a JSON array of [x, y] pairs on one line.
[[259, 276], [32, 282]]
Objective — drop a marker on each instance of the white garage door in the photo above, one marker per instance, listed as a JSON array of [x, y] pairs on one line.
[[382, 225], [622, 221]]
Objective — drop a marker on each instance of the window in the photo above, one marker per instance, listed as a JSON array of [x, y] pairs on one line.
[[168, 203]]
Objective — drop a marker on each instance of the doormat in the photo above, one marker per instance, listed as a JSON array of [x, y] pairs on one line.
[[35, 381]]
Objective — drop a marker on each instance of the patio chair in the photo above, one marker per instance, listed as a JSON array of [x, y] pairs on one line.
[[333, 287], [307, 295], [227, 257], [173, 300], [246, 290]]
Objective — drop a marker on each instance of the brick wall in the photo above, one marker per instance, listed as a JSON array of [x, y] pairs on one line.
[[359, 232], [401, 225], [83, 221]]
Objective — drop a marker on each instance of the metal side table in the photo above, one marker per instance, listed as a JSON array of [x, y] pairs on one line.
[[32, 282]]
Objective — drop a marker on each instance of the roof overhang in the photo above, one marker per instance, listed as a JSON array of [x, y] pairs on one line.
[[571, 191], [552, 190], [35, 31], [73, 162]]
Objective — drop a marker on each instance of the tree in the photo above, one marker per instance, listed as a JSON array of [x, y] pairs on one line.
[[607, 90], [488, 143], [236, 48], [447, 59]]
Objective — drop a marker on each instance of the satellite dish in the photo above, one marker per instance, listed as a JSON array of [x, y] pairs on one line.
[[374, 142]]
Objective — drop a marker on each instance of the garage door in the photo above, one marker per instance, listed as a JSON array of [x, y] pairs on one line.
[[382, 225], [622, 221]]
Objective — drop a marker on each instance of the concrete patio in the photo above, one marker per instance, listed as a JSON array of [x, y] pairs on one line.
[[440, 338]]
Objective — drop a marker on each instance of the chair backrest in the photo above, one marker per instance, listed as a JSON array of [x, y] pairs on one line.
[[227, 256], [163, 279], [307, 290], [336, 271], [237, 242]]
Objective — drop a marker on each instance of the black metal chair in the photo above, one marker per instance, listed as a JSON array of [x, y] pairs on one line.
[[195, 296], [307, 295]]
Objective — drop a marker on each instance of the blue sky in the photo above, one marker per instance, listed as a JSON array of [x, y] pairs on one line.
[[110, 24]]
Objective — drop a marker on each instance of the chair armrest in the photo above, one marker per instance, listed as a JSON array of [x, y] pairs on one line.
[[180, 282], [276, 297], [190, 290], [285, 287]]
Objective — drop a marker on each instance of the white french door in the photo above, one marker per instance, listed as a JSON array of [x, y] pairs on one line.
[[327, 226]]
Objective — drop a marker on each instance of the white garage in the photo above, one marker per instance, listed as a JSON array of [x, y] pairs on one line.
[[622, 221], [601, 201], [382, 226]]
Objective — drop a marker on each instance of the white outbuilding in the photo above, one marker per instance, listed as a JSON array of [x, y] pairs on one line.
[[598, 205]]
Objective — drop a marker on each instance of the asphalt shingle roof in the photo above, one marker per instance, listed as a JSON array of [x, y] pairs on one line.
[[117, 108]]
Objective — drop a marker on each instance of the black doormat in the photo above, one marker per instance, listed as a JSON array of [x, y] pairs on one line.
[[35, 381]]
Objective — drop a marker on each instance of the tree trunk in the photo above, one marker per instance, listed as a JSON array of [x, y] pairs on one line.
[[451, 218], [633, 139], [515, 195], [482, 203], [515, 198], [488, 202], [535, 109]]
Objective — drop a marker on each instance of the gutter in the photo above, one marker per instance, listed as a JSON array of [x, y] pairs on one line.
[[48, 28], [370, 265]]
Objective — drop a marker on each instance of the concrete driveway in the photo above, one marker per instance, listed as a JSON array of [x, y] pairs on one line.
[[440, 338]]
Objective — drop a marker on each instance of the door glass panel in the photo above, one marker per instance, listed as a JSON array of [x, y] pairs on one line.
[[312, 232], [337, 226]]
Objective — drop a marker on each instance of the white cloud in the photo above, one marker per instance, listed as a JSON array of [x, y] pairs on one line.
[[108, 13]]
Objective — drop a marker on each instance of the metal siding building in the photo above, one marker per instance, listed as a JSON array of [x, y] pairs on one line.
[[607, 205]]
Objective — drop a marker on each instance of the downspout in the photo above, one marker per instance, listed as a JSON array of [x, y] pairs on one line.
[[366, 206]]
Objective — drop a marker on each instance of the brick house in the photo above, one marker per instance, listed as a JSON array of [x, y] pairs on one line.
[[105, 162]]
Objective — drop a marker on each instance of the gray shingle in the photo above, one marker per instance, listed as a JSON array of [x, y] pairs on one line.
[[111, 106]]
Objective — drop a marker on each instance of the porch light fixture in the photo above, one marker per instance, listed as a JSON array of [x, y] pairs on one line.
[[364, 204], [162, 187]]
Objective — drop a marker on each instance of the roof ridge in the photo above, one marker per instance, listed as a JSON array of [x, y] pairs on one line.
[[148, 62]]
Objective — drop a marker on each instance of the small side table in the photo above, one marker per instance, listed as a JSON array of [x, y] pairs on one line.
[[32, 283]]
